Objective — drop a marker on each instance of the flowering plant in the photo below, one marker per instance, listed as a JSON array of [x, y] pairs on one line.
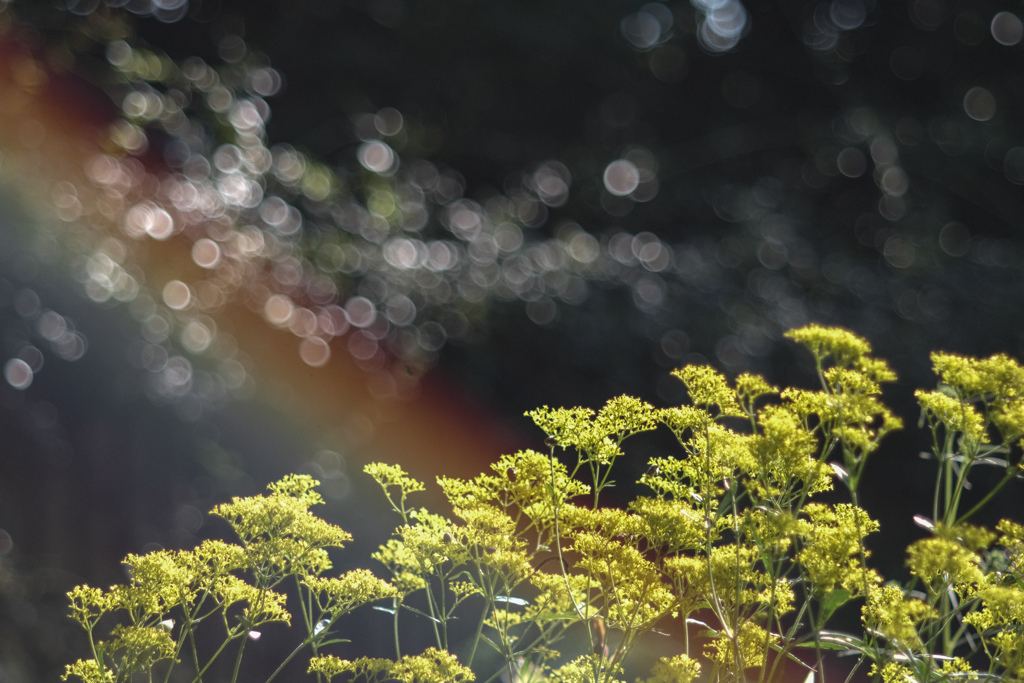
[[730, 544]]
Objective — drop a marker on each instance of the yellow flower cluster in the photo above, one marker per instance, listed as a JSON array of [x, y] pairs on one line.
[[833, 548], [678, 669], [279, 532], [730, 538], [950, 557], [974, 394], [597, 438], [895, 617], [278, 538], [433, 666]]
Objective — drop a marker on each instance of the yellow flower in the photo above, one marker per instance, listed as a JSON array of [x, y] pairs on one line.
[[586, 669], [843, 346], [948, 558], [89, 671], [393, 475], [956, 415], [890, 614], [678, 669], [528, 482], [280, 532], [891, 672], [784, 454], [751, 387], [669, 525], [708, 387], [598, 437], [832, 540], [88, 604], [349, 591], [746, 651], [433, 666]]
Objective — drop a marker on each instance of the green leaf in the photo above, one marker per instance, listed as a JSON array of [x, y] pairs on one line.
[[508, 599], [335, 640], [565, 616], [491, 643], [790, 655], [726, 503], [822, 645], [421, 613], [835, 599], [836, 640]]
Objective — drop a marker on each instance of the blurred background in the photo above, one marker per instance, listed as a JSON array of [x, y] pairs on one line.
[[241, 239]]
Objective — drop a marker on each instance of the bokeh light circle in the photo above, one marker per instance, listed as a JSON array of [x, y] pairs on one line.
[[177, 295], [278, 309], [621, 177], [206, 253], [18, 373], [377, 156], [851, 162], [1013, 165], [360, 311], [980, 104], [1007, 28], [314, 352]]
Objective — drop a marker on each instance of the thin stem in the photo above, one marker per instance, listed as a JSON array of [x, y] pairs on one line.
[[739, 580], [433, 617], [443, 607], [1010, 474], [958, 490], [558, 536], [476, 636], [289, 658], [199, 675], [397, 603], [789, 636], [238, 658], [939, 452], [195, 653]]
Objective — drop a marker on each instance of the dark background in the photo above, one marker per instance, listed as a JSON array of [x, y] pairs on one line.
[[768, 233]]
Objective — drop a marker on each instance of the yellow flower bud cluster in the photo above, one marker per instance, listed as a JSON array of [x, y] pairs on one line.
[[730, 544], [170, 594]]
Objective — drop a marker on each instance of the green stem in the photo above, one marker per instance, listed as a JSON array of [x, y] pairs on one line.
[[789, 636], [192, 644], [434, 619], [1010, 474], [958, 490], [238, 658], [476, 636], [397, 603], [289, 658], [199, 675], [558, 536], [187, 626], [939, 452]]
